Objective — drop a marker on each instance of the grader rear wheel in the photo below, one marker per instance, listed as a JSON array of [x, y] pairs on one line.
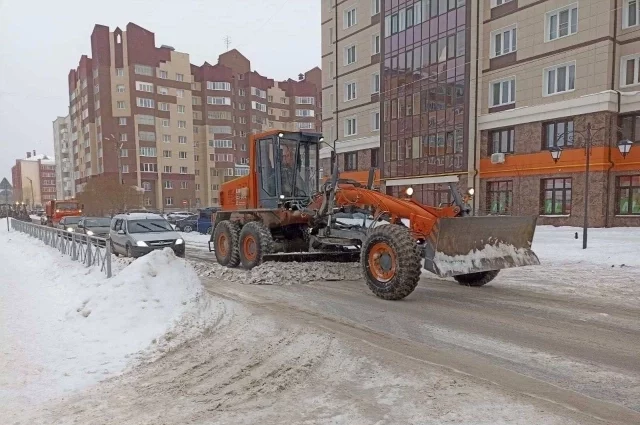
[[255, 242], [225, 243], [391, 262]]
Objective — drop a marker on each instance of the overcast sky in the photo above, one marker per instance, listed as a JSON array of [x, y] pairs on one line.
[[41, 40]]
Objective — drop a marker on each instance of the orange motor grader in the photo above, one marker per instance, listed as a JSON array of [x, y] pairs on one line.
[[280, 211]]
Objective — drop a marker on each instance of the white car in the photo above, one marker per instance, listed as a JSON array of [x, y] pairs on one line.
[[137, 234]]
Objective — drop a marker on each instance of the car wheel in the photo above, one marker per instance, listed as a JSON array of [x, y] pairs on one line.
[[187, 229], [113, 249]]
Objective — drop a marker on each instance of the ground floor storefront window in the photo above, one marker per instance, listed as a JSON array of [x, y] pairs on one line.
[[628, 195], [499, 197], [555, 196]]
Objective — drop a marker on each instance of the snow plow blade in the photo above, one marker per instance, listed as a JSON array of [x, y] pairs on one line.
[[464, 245]]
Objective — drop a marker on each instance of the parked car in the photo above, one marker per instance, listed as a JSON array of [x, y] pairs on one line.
[[94, 226], [138, 234], [69, 223], [205, 224], [188, 224]]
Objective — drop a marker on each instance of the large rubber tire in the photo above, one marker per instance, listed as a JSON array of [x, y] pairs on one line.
[[476, 279], [255, 241], [391, 262], [187, 229], [225, 243]]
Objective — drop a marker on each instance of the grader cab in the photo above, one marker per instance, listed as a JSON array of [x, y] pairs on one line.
[[281, 212]]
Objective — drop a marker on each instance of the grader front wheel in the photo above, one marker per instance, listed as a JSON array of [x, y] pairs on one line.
[[225, 243], [390, 262]]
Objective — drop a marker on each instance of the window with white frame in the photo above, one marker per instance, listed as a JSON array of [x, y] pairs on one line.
[[213, 100], [179, 77], [121, 105], [503, 41], [163, 106], [375, 121], [350, 91], [496, 3], [179, 93], [220, 129], [165, 123], [630, 13], [124, 153], [123, 137], [125, 169], [502, 92], [168, 184], [560, 78], [120, 88], [350, 55], [166, 138], [166, 154], [168, 200], [143, 70], [167, 169], [375, 44], [375, 7], [305, 100], [163, 90], [119, 72], [182, 140], [181, 109], [630, 70], [258, 106], [122, 121], [147, 151], [183, 170], [218, 85], [146, 119], [561, 22], [305, 113], [184, 185], [142, 86], [350, 126], [375, 83], [163, 74], [182, 124], [304, 126], [182, 155], [257, 92], [147, 136], [350, 18], [143, 102]]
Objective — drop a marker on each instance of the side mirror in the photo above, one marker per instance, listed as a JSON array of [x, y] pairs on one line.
[[121, 232], [80, 226]]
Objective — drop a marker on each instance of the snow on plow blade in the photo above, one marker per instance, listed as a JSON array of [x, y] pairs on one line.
[[466, 245]]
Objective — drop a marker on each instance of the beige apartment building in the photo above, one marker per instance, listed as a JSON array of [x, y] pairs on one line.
[[173, 129], [351, 54], [34, 179], [556, 75], [65, 184]]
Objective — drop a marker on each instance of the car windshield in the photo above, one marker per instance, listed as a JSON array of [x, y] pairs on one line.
[[71, 220], [149, 226], [97, 222], [67, 206]]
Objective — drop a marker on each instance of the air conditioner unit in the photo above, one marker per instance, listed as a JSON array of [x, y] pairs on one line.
[[497, 158]]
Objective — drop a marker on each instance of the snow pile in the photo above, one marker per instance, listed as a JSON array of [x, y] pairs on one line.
[[282, 273], [482, 260], [196, 240], [65, 326]]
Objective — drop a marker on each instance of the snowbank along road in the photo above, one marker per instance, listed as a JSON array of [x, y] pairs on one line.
[[307, 343]]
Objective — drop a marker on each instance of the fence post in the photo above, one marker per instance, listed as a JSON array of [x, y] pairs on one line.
[[88, 259], [107, 254]]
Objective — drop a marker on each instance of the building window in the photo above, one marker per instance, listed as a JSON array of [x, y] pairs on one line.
[[166, 154], [124, 153], [180, 77], [350, 55], [163, 90], [163, 106], [144, 102], [628, 195], [166, 138], [375, 121], [213, 100], [375, 158], [219, 85], [562, 22], [146, 119], [349, 91], [350, 18], [495, 3], [558, 134], [163, 74], [167, 169], [183, 170], [179, 93], [120, 88], [122, 121], [556, 196], [630, 13], [149, 167], [375, 7], [560, 78], [120, 104], [305, 113], [147, 151], [182, 140], [165, 123], [350, 126], [120, 73], [168, 200], [375, 46], [168, 184], [182, 155], [123, 137], [502, 141], [350, 161], [184, 185], [142, 86], [181, 109], [630, 128], [143, 70], [258, 106], [499, 197], [630, 70], [182, 124], [503, 41], [503, 92], [375, 83], [125, 169], [304, 100], [147, 136]]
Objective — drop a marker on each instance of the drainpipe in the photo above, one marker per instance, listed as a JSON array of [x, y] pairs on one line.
[[475, 130], [614, 125], [335, 88]]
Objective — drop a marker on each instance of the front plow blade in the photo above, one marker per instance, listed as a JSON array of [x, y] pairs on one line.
[[464, 245]]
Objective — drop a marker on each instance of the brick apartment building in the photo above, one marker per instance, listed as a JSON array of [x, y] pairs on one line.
[[175, 129], [65, 185], [34, 179], [479, 93]]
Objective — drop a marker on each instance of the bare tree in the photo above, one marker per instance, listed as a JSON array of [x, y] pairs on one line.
[[105, 196]]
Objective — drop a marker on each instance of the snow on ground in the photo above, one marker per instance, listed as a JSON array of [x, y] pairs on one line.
[[196, 240], [65, 326]]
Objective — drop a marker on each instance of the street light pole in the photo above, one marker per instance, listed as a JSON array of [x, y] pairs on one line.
[[585, 226]]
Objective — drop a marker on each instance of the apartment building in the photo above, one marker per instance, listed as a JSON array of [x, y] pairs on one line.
[[65, 184], [171, 128], [556, 75], [34, 179], [351, 85]]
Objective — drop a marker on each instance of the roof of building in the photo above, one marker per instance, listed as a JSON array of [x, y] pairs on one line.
[[44, 159]]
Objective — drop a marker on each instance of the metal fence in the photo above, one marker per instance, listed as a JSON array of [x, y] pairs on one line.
[[89, 250]]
